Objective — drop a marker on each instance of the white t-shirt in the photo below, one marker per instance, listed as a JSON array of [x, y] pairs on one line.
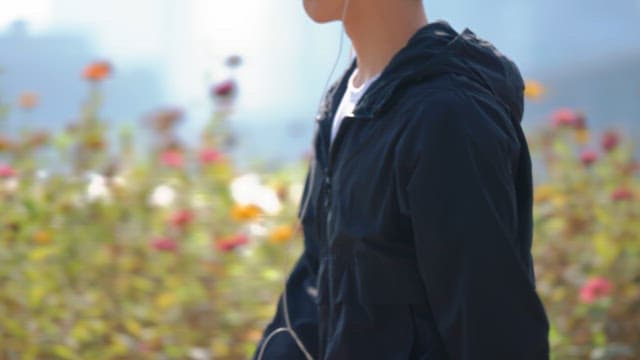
[[349, 101]]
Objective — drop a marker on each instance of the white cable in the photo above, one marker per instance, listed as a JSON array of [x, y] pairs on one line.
[[288, 326]]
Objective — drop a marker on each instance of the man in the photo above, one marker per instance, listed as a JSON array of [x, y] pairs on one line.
[[418, 228]]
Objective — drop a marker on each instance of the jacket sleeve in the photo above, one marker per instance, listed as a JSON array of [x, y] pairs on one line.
[[461, 199], [302, 307]]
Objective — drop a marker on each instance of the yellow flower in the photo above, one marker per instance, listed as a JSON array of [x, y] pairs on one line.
[[245, 212], [166, 300], [280, 234], [533, 89], [559, 200], [543, 193], [582, 136], [42, 237]]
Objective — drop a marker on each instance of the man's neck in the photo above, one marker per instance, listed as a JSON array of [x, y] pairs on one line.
[[378, 30]]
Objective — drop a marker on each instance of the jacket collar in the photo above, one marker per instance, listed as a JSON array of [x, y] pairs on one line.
[[434, 49], [432, 37]]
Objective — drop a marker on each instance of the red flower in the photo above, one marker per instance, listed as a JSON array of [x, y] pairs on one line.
[[229, 243], [181, 217], [164, 244], [594, 289], [621, 193], [224, 89], [210, 155], [172, 158], [588, 157], [610, 140], [568, 117], [7, 171]]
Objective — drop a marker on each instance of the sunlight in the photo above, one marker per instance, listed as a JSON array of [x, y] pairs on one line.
[[36, 12]]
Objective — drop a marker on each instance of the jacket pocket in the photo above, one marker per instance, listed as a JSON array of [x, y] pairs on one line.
[[384, 280]]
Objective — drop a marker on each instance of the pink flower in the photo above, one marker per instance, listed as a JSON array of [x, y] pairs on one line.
[[172, 158], [568, 117], [164, 244], [594, 289], [210, 155], [621, 193], [7, 171], [224, 88], [588, 156], [181, 217], [610, 140], [229, 243]]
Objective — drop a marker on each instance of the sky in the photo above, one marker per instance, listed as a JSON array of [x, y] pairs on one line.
[[177, 48]]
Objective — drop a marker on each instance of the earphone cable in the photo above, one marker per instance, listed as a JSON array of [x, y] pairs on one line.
[[289, 327]]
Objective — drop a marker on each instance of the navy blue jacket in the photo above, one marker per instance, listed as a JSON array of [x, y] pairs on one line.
[[417, 237]]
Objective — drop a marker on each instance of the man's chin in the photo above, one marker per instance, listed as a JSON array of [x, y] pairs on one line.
[[316, 15]]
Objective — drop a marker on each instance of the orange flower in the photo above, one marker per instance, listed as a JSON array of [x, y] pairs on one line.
[[245, 212], [533, 89], [582, 136], [280, 234], [42, 237], [5, 143], [97, 71], [28, 100]]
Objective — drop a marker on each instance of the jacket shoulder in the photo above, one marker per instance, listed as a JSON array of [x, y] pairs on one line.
[[445, 113]]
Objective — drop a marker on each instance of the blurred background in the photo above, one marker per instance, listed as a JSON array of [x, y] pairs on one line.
[[196, 117], [170, 51]]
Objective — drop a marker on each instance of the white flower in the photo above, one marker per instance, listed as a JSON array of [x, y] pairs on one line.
[[295, 192], [119, 181], [257, 229], [42, 174], [10, 185], [198, 353], [162, 196], [247, 189], [97, 190]]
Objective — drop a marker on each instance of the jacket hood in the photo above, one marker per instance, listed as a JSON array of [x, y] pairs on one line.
[[434, 49]]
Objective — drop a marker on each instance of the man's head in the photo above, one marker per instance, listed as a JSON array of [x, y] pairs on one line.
[[322, 11]]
